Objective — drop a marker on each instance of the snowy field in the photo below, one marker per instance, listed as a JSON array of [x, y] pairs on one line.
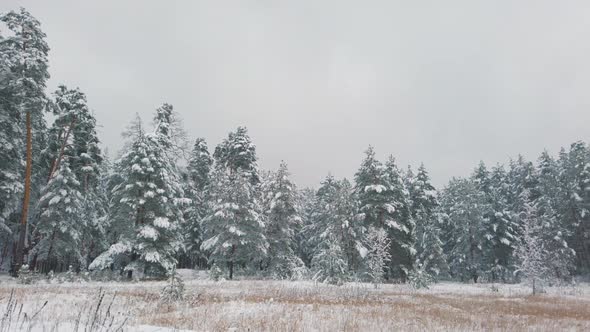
[[258, 305]]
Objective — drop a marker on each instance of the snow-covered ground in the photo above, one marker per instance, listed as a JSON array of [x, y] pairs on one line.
[[264, 305]]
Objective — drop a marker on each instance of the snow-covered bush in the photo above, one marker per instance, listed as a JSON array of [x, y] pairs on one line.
[[494, 288], [174, 290], [105, 275], [419, 278], [70, 275], [25, 276], [288, 268], [215, 272]]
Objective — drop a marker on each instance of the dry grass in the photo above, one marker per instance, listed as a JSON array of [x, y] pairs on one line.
[[304, 306]]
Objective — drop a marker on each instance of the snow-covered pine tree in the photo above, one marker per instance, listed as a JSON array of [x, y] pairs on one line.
[[575, 201], [67, 106], [23, 55], [559, 257], [481, 179], [199, 166], [377, 208], [11, 158], [555, 233], [373, 192], [198, 176], [333, 234], [61, 223], [151, 195], [500, 227], [101, 223], [349, 229], [430, 255], [464, 230], [522, 176], [239, 240], [531, 252], [282, 216], [112, 177], [233, 231], [378, 254], [73, 135], [402, 248], [88, 156], [422, 193], [320, 214], [548, 178], [307, 206], [329, 263], [237, 152], [168, 124], [162, 123]]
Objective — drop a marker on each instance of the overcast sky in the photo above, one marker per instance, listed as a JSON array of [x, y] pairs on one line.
[[447, 83]]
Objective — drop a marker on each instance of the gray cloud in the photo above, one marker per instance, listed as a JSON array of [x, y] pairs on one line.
[[444, 82]]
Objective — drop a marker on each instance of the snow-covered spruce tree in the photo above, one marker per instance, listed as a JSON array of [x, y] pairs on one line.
[[530, 250], [237, 152], [282, 217], [422, 193], [23, 55], [174, 289], [162, 123], [61, 223], [198, 176], [521, 177], [233, 231], [150, 195], [430, 256], [561, 257], [464, 231], [402, 248], [168, 123], [548, 178], [374, 194], [378, 254], [236, 202], [329, 262], [87, 164], [377, 207], [11, 158], [101, 221], [199, 165], [575, 201], [306, 201], [333, 236], [500, 226], [481, 179]]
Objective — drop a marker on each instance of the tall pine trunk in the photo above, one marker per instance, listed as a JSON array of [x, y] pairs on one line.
[[20, 248]]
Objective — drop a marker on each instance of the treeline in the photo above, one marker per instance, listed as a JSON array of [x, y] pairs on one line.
[[164, 204]]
